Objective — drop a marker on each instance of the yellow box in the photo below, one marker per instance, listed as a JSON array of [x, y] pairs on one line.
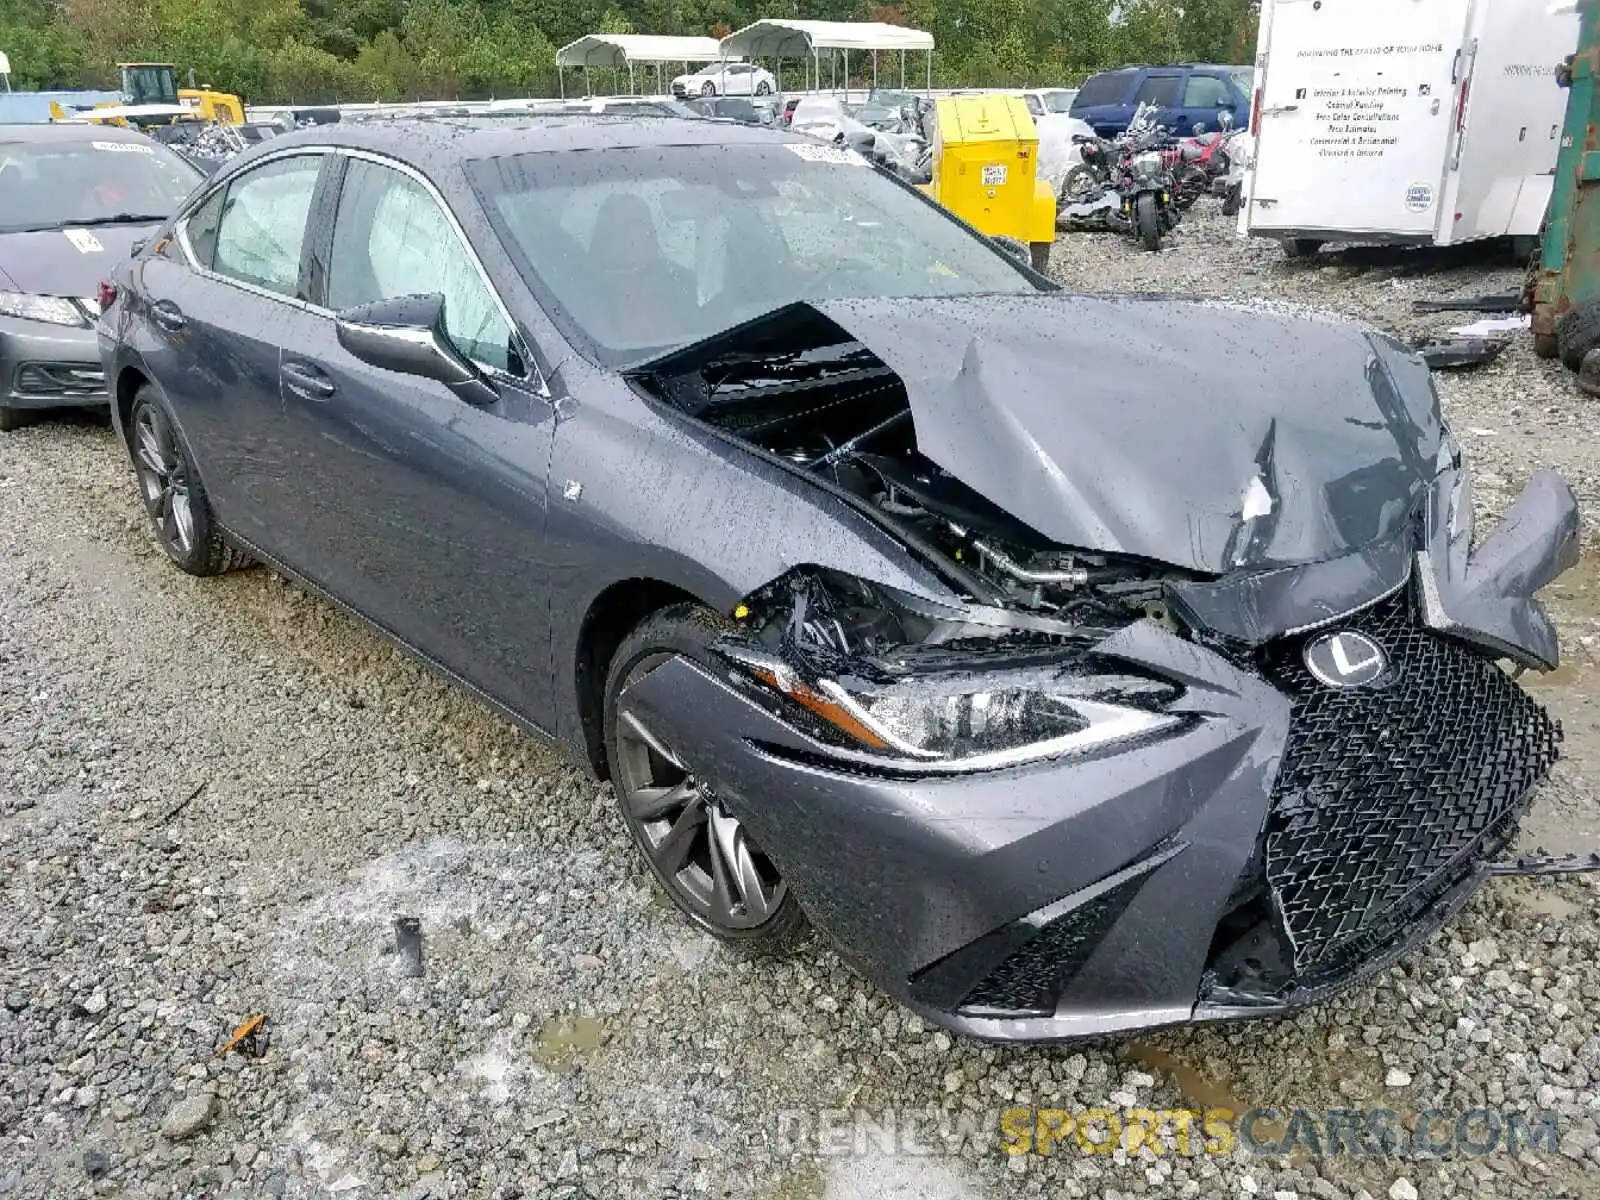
[[985, 166]]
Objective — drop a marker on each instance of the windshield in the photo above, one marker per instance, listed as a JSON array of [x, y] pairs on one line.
[[642, 250], [1244, 78], [47, 185], [1059, 101]]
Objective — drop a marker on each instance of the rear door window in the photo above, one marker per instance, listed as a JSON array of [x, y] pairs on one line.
[[1109, 88], [262, 227], [1159, 90], [1205, 91]]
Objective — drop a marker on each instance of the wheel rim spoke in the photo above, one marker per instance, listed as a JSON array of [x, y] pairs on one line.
[[733, 849], [722, 901], [636, 727], [183, 519], [653, 803], [672, 851], [149, 452]]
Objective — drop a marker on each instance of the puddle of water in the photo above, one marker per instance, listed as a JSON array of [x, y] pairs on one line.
[[803, 1183], [1200, 1091], [1577, 592], [564, 1040], [1547, 903]]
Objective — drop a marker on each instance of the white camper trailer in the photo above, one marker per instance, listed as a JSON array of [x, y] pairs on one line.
[[1426, 122]]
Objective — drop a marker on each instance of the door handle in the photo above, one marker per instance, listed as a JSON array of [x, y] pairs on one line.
[[306, 381], [168, 315]]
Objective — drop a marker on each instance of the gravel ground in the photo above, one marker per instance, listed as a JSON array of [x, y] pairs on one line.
[[217, 795]]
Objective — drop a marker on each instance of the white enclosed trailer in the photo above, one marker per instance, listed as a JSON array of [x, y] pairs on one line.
[[1425, 122]]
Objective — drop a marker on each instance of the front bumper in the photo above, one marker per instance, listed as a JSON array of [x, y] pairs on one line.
[[49, 366], [1286, 841]]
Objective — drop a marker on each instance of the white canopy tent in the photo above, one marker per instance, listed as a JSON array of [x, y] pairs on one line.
[[807, 39], [619, 50]]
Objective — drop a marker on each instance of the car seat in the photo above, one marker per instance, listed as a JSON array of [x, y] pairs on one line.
[[643, 293]]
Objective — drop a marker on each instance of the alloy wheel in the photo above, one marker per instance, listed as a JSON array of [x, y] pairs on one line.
[[695, 846], [164, 478]]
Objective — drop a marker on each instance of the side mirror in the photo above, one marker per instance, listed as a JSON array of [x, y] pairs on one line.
[[407, 335], [862, 142], [1015, 247]]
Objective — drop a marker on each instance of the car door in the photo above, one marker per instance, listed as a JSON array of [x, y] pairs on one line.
[[1205, 99], [1163, 91], [214, 317], [426, 512]]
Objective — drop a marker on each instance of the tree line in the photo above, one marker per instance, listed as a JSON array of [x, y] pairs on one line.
[[320, 51]]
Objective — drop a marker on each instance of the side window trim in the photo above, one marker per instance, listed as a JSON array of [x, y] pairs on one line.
[[532, 374], [182, 225], [316, 252]]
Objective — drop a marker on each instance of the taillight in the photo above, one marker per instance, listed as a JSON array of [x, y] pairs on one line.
[[1255, 113], [1461, 104], [106, 294]]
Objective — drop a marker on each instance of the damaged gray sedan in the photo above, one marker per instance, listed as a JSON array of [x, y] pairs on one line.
[[1069, 682]]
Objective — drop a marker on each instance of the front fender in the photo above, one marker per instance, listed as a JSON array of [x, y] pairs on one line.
[[639, 494]]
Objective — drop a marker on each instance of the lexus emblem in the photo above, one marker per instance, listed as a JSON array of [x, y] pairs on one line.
[[1346, 660]]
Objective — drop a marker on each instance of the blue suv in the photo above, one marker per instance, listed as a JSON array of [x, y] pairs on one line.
[[1188, 94]]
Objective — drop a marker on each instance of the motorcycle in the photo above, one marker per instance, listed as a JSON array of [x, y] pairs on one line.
[[1198, 162], [1146, 186], [1125, 184]]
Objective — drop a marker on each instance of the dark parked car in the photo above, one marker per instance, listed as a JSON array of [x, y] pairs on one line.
[[734, 108], [73, 200], [1070, 681], [1186, 95]]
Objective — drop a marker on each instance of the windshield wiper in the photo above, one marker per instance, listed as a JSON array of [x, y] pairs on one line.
[[113, 219], [123, 218]]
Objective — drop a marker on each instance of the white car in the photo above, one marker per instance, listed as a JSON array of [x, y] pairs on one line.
[[726, 79], [1044, 101]]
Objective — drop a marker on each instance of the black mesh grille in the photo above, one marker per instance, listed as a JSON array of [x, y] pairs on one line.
[[59, 379], [1390, 795], [1032, 977]]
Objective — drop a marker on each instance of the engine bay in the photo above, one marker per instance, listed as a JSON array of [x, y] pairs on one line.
[[805, 392]]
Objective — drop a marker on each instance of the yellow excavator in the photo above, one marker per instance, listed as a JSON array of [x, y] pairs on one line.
[[151, 96]]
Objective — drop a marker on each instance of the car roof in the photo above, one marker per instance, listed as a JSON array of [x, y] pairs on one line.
[[68, 131], [439, 141]]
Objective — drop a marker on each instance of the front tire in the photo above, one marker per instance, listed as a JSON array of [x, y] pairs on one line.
[[14, 418], [1147, 220], [698, 851], [174, 498], [1301, 248], [1080, 184], [1039, 256], [708, 88]]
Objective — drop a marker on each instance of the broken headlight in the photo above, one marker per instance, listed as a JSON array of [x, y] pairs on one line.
[[974, 721]]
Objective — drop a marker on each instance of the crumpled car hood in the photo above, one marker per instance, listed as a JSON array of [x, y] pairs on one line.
[[1212, 436]]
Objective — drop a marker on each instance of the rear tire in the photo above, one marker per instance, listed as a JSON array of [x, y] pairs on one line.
[[1578, 332], [763, 88], [1039, 256], [1301, 248], [700, 854], [1233, 201], [1147, 220], [174, 498]]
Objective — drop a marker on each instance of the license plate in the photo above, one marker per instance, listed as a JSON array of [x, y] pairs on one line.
[[994, 175]]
